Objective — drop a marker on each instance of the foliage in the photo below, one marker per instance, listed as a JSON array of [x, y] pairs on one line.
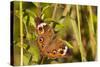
[[76, 24]]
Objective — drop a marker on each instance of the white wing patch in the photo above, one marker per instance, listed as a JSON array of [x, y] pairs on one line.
[[65, 50], [42, 24]]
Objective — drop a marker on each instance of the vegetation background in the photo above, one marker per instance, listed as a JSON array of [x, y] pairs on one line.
[[76, 24]]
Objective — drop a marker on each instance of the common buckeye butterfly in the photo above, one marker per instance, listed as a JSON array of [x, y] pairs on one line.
[[49, 43]]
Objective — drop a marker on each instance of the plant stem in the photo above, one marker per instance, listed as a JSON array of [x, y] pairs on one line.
[[39, 10], [68, 44], [54, 11], [91, 32], [66, 9], [82, 51], [91, 19], [42, 60], [21, 33]]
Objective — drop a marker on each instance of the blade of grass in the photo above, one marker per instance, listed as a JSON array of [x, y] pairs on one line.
[[81, 47], [66, 10], [78, 34], [83, 56], [68, 44], [91, 32], [54, 11]]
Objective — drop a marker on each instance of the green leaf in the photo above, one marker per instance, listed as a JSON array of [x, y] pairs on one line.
[[46, 7], [19, 45], [26, 60], [36, 3], [28, 36], [59, 27], [48, 12], [32, 22], [31, 12], [35, 53], [68, 44]]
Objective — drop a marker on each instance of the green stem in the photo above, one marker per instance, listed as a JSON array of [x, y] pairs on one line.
[[66, 10], [91, 19], [54, 11], [21, 33], [68, 44], [81, 47], [91, 32], [43, 58]]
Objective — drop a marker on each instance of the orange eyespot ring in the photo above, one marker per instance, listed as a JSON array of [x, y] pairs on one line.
[[54, 51], [40, 30], [41, 39], [42, 46], [61, 52]]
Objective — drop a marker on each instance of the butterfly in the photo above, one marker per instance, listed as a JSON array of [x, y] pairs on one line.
[[49, 43]]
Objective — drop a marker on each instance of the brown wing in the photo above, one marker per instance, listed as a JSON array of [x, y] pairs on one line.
[[56, 49], [44, 38]]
